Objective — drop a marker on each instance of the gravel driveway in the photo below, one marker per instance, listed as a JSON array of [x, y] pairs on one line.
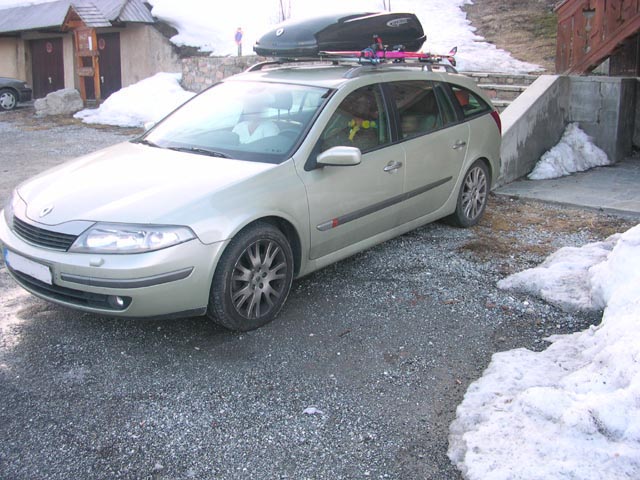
[[358, 378]]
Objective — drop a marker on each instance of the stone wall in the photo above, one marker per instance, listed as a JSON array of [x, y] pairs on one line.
[[199, 73]]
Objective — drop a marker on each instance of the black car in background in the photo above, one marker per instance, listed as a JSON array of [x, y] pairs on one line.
[[13, 91]]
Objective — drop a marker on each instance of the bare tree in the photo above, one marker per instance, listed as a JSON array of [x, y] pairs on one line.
[[386, 5], [284, 10]]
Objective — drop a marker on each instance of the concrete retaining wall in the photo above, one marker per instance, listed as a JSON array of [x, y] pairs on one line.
[[532, 124], [604, 107]]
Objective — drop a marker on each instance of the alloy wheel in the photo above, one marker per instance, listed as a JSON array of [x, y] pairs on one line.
[[474, 193], [259, 278]]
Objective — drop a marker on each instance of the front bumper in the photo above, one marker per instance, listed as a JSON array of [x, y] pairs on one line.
[[166, 282]]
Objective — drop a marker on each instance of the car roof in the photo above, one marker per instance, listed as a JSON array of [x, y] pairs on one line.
[[333, 76]]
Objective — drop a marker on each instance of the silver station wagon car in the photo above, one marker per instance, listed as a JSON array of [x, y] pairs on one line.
[[262, 178]]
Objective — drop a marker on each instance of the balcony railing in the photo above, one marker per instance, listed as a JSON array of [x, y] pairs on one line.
[[589, 31]]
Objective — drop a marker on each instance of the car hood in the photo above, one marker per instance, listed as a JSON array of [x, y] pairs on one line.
[[131, 183]]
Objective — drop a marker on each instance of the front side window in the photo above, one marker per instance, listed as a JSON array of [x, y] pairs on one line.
[[360, 121], [417, 107], [255, 121]]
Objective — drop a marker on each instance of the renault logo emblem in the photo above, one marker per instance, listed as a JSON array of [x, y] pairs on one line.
[[46, 211]]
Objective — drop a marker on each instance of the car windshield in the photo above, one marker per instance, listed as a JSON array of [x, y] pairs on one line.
[[255, 121]]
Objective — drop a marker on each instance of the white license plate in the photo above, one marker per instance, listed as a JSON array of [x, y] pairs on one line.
[[28, 267]]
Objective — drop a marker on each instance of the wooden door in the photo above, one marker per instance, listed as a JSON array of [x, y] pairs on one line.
[[110, 70], [47, 66]]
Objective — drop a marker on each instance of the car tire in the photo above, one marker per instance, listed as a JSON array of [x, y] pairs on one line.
[[252, 279], [472, 197], [8, 99]]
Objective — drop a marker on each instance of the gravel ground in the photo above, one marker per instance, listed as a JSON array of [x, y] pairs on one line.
[[378, 350]]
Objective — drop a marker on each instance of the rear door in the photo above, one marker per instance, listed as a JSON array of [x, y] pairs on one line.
[[434, 142], [351, 204], [47, 66]]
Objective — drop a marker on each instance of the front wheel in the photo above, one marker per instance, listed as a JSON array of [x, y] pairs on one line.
[[473, 196], [8, 99], [252, 279]]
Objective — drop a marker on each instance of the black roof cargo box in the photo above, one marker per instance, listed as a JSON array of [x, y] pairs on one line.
[[306, 38]]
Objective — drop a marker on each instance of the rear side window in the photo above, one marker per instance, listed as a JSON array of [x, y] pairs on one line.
[[446, 106], [417, 107], [470, 104]]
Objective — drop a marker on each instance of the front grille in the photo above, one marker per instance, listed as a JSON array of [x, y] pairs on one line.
[[41, 237], [68, 295]]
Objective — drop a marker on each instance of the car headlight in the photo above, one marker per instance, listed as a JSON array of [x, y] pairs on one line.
[[122, 238]]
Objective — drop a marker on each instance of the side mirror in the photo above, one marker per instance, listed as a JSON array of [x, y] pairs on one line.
[[340, 157]]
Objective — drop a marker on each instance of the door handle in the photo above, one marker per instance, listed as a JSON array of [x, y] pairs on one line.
[[392, 166], [459, 144]]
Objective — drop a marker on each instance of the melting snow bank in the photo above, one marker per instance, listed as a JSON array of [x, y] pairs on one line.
[[149, 100], [446, 25], [573, 410], [211, 26], [575, 152]]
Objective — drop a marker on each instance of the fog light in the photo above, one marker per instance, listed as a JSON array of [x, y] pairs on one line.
[[117, 303]]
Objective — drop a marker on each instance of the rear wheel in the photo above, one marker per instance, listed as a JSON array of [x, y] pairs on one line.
[[473, 196], [253, 278], [8, 99]]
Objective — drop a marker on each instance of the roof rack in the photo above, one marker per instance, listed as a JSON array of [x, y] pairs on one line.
[[430, 67], [286, 60], [364, 65]]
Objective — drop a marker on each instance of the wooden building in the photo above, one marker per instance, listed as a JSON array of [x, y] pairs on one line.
[[592, 31]]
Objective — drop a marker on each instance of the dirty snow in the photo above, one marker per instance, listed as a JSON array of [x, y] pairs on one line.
[[575, 152], [571, 411]]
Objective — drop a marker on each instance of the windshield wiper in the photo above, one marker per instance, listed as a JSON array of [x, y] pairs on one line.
[[144, 141], [200, 151]]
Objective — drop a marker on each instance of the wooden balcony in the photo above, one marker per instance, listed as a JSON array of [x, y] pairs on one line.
[[590, 31]]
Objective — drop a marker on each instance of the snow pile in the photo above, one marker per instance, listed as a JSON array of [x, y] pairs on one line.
[[149, 100], [573, 410], [575, 152], [564, 278]]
